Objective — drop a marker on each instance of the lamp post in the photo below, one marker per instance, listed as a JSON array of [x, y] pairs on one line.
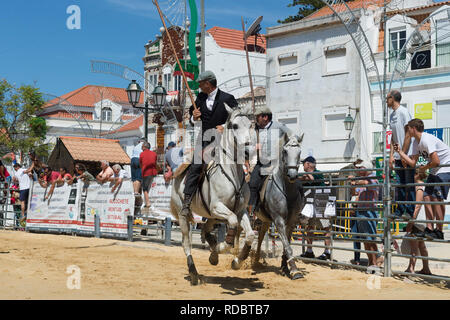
[[349, 122], [134, 93], [159, 97]]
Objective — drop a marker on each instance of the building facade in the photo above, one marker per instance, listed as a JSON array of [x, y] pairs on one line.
[[316, 77]]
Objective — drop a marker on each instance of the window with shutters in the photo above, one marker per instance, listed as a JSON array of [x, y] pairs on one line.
[[288, 67]]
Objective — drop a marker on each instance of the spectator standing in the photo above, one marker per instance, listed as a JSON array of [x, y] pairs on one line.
[[437, 153], [23, 179], [4, 174], [366, 226], [398, 120], [173, 157], [119, 175], [308, 179], [106, 172], [136, 173], [37, 167], [417, 246], [5, 178], [147, 161]]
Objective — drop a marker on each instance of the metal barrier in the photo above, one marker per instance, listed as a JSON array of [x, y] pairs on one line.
[[9, 211], [388, 230]]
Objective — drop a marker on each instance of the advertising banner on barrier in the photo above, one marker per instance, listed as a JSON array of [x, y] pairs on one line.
[[113, 208], [57, 214], [159, 197]]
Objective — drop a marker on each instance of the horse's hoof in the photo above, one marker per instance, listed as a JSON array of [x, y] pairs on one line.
[[194, 279], [235, 264], [214, 258], [297, 276], [285, 271], [222, 247]]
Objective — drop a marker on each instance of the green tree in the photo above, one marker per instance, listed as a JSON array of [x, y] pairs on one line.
[[306, 7], [20, 129]]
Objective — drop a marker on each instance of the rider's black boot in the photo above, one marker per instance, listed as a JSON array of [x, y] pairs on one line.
[[186, 209]]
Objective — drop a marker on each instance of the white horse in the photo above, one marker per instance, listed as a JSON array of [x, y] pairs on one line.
[[224, 192]]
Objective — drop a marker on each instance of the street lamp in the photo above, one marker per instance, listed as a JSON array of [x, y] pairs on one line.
[[159, 95], [134, 94], [349, 122]]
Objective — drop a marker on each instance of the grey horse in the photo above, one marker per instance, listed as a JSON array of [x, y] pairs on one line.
[[282, 202], [224, 193]]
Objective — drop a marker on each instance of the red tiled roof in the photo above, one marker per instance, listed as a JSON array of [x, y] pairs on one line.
[[88, 95], [425, 26], [95, 149], [234, 39], [435, 4], [132, 125], [65, 114], [353, 5]]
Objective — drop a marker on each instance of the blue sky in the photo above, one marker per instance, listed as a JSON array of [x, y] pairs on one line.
[[36, 45]]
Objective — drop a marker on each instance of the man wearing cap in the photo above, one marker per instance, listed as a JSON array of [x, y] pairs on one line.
[[316, 179], [212, 114], [174, 156], [24, 186], [268, 132]]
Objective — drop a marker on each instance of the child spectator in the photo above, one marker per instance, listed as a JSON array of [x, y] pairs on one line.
[[64, 176], [366, 226], [49, 178], [413, 247]]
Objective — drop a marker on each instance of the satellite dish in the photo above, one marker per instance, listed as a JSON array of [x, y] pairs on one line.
[[254, 29]]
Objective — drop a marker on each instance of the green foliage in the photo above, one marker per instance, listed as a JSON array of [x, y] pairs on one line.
[[306, 7], [20, 129]]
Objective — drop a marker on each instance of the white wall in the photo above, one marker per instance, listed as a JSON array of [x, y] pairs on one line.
[[228, 64], [316, 94]]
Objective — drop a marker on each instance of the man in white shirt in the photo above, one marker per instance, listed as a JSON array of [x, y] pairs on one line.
[[437, 153], [136, 173], [398, 120], [119, 175], [24, 186]]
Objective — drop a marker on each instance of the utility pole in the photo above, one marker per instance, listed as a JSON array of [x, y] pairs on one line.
[[202, 36], [387, 201]]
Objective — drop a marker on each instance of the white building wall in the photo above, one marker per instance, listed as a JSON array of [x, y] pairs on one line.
[[320, 97], [228, 64]]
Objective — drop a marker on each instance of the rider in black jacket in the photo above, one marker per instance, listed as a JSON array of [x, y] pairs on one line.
[[212, 113]]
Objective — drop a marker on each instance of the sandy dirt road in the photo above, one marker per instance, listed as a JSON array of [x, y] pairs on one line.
[[34, 266]]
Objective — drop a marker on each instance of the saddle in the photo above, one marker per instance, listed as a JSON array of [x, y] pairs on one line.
[[262, 192]]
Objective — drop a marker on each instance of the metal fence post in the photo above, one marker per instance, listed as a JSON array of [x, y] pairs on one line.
[[168, 231], [97, 226], [130, 221]]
